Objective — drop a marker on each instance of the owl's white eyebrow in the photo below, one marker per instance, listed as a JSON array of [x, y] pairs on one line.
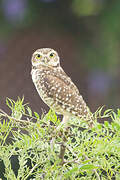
[[39, 53], [51, 52]]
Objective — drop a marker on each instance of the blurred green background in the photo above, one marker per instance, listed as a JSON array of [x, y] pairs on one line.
[[86, 34]]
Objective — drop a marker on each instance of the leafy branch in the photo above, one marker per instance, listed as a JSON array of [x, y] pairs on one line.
[[43, 152]]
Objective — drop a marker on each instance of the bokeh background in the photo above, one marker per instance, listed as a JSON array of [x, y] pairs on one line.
[[86, 34]]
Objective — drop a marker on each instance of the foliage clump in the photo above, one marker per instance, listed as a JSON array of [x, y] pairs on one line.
[[30, 146]]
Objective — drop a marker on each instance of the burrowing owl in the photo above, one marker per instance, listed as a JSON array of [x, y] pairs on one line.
[[55, 88]]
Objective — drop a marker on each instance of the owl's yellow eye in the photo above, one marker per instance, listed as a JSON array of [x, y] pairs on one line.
[[52, 55], [38, 56]]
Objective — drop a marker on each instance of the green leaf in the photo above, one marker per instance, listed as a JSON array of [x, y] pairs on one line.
[[29, 111], [87, 167], [36, 115], [106, 123], [10, 103], [71, 171]]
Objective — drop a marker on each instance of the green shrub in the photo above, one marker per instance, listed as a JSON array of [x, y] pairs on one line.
[[30, 146]]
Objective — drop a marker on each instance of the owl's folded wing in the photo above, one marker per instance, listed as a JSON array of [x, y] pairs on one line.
[[67, 80], [66, 95]]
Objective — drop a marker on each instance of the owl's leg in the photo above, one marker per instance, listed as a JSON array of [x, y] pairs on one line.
[[65, 119], [64, 123]]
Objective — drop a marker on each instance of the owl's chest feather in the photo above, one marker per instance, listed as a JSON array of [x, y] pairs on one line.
[[38, 80]]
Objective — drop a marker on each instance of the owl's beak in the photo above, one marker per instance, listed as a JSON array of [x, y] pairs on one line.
[[45, 59]]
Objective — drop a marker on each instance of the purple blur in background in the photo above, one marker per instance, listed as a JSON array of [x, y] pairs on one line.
[[14, 10]]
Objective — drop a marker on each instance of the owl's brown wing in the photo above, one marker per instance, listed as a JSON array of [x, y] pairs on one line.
[[59, 73], [65, 95]]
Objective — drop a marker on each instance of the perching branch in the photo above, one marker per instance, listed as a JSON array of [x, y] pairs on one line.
[[63, 148], [62, 152]]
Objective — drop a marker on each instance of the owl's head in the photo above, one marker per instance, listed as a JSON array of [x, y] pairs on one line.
[[45, 57]]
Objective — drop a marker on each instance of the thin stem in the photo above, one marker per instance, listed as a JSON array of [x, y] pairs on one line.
[[31, 171], [94, 170], [12, 118]]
